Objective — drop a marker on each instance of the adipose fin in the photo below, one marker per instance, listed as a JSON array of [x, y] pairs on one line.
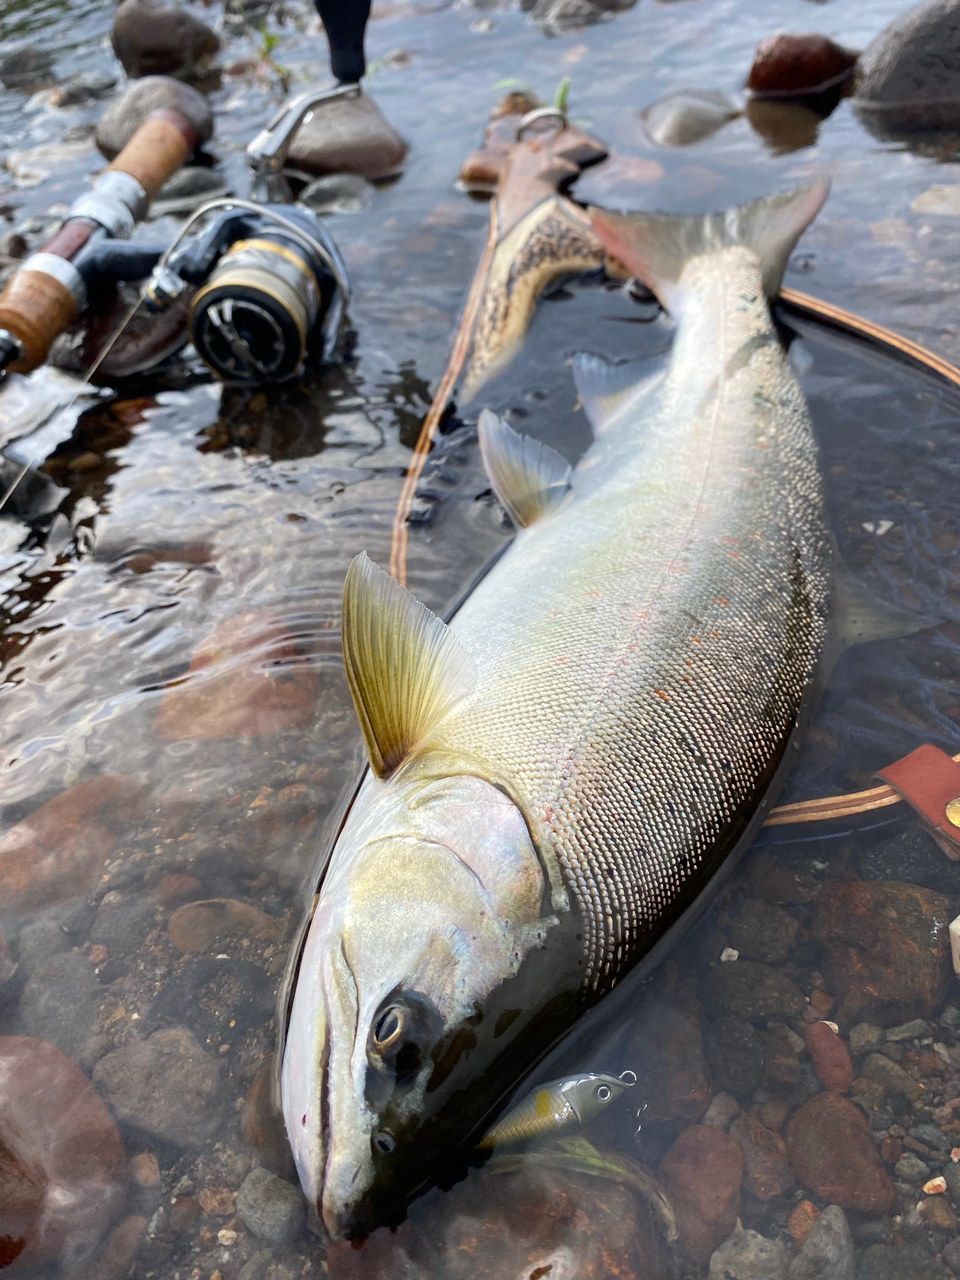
[[528, 477]]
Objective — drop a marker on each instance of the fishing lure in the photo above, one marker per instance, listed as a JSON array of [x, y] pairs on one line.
[[557, 1105]]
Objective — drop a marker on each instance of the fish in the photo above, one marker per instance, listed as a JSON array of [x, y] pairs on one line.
[[561, 775], [556, 1105]]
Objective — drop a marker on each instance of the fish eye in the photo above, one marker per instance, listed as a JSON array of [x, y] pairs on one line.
[[389, 1028], [604, 1093], [385, 1142]]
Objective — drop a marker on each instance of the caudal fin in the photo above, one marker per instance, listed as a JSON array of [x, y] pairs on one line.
[[657, 246]]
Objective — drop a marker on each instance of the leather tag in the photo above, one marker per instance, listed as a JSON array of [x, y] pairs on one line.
[[929, 780]]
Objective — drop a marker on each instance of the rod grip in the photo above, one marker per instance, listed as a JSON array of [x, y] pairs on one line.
[[36, 307], [157, 149]]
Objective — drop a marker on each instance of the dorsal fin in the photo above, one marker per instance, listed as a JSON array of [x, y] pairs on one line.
[[607, 388], [527, 476], [406, 669]]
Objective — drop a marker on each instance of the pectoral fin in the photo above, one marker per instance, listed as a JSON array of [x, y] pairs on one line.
[[527, 476], [406, 669], [860, 617], [606, 389]]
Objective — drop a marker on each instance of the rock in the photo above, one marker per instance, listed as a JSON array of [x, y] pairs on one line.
[[910, 1168], [271, 1207], [722, 1109], [145, 1169], [261, 1123], [220, 1000], [831, 1057], [13, 245], [338, 193], [702, 1173], [747, 1255], [894, 1078], [687, 116], [827, 1253], [198, 926], [84, 87], [942, 200], [766, 1171], [124, 116], [219, 1202], [786, 65], [936, 1213], [781, 1064], [671, 1071], [60, 1002], [735, 1054], [153, 39], [899, 1262], [59, 851], [62, 1163], [831, 1150], [39, 940], [886, 949], [172, 889], [913, 857], [864, 1037], [8, 967], [27, 69], [122, 924], [187, 190], [753, 992], [802, 1220], [909, 75], [166, 1086], [762, 931], [349, 135], [257, 685], [913, 1030], [120, 1249], [951, 1255]]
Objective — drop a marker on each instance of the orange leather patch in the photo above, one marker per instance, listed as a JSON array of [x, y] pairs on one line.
[[929, 780]]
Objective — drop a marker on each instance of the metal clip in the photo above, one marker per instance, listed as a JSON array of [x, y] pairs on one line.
[[267, 153]]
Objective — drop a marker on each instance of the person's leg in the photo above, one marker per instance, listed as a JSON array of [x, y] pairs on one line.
[[345, 22]]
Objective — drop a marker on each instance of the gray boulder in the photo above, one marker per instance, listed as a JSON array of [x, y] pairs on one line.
[[909, 75]]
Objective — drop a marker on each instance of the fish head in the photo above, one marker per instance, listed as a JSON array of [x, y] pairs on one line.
[[434, 899]]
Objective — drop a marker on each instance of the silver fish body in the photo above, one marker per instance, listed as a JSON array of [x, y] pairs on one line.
[[559, 775]]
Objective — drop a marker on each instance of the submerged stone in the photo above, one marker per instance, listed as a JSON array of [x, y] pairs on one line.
[[687, 116], [124, 116], [702, 1173], [747, 1255], [827, 1252], [909, 77], [831, 1150]]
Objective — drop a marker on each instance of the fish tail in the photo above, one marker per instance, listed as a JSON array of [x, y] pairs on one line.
[[657, 246]]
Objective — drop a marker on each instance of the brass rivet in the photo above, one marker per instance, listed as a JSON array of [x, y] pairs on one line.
[[953, 812]]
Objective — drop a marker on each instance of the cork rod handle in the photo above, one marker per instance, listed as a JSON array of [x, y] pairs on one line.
[[157, 150]]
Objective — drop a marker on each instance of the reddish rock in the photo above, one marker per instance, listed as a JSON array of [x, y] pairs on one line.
[[120, 1249], [891, 1149], [886, 949], [702, 1173], [766, 1171], [176, 888], [261, 1122], [785, 65], [244, 680], [831, 1058], [672, 1074], [199, 925], [831, 1150], [60, 850], [63, 1168], [802, 1221]]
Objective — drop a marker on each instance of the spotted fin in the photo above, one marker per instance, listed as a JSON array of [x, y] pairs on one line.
[[606, 389], [527, 476], [406, 669]]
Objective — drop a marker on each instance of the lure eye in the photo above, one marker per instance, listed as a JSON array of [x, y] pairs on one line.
[[604, 1093], [389, 1028], [385, 1141]]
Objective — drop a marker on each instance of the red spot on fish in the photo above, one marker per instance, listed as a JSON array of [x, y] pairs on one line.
[[594, 595], [660, 694], [560, 658], [695, 640], [721, 601], [734, 555]]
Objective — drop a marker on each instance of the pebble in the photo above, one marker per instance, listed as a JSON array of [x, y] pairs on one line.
[[913, 857], [899, 1262], [62, 1163], [672, 1076], [936, 1213], [84, 87], [827, 1252], [951, 1255], [722, 1109], [908, 1031], [747, 1255], [261, 1122], [153, 39], [910, 1168], [125, 114], [187, 190], [270, 1207], [687, 116], [338, 193], [120, 1249], [894, 1078], [199, 926], [766, 1171], [173, 889], [831, 1150], [256, 685], [60, 1001], [752, 991], [801, 1221], [122, 924], [890, 973], [27, 69], [735, 1054], [349, 135], [702, 1173], [220, 1202], [786, 64], [831, 1057], [166, 1086], [763, 931], [864, 1037], [145, 1169]]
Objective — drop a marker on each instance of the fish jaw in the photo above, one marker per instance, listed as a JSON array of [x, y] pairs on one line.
[[433, 899]]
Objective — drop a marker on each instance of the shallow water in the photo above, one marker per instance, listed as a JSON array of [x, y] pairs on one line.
[[171, 622]]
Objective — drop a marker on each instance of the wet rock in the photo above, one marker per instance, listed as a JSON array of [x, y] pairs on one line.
[[752, 992], [702, 1173], [894, 1078], [735, 1055], [59, 851], [865, 1037], [827, 1253], [899, 1262], [172, 889], [831, 1057], [766, 1171], [198, 926], [8, 967], [831, 1150], [27, 69], [187, 190], [145, 1169], [909, 75], [60, 1002], [912, 1030], [349, 135], [219, 1202], [786, 64], [221, 1001], [722, 1109], [13, 245], [153, 39], [338, 193], [801, 1221], [256, 685], [885, 947], [39, 940], [688, 116], [62, 1163], [762, 931], [261, 1122], [951, 1255], [781, 1064], [122, 924], [936, 1213], [124, 116], [271, 1207], [120, 1249], [913, 857], [671, 1070], [747, 1255], [84, 87], [910, 1168], [166, 1086]]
